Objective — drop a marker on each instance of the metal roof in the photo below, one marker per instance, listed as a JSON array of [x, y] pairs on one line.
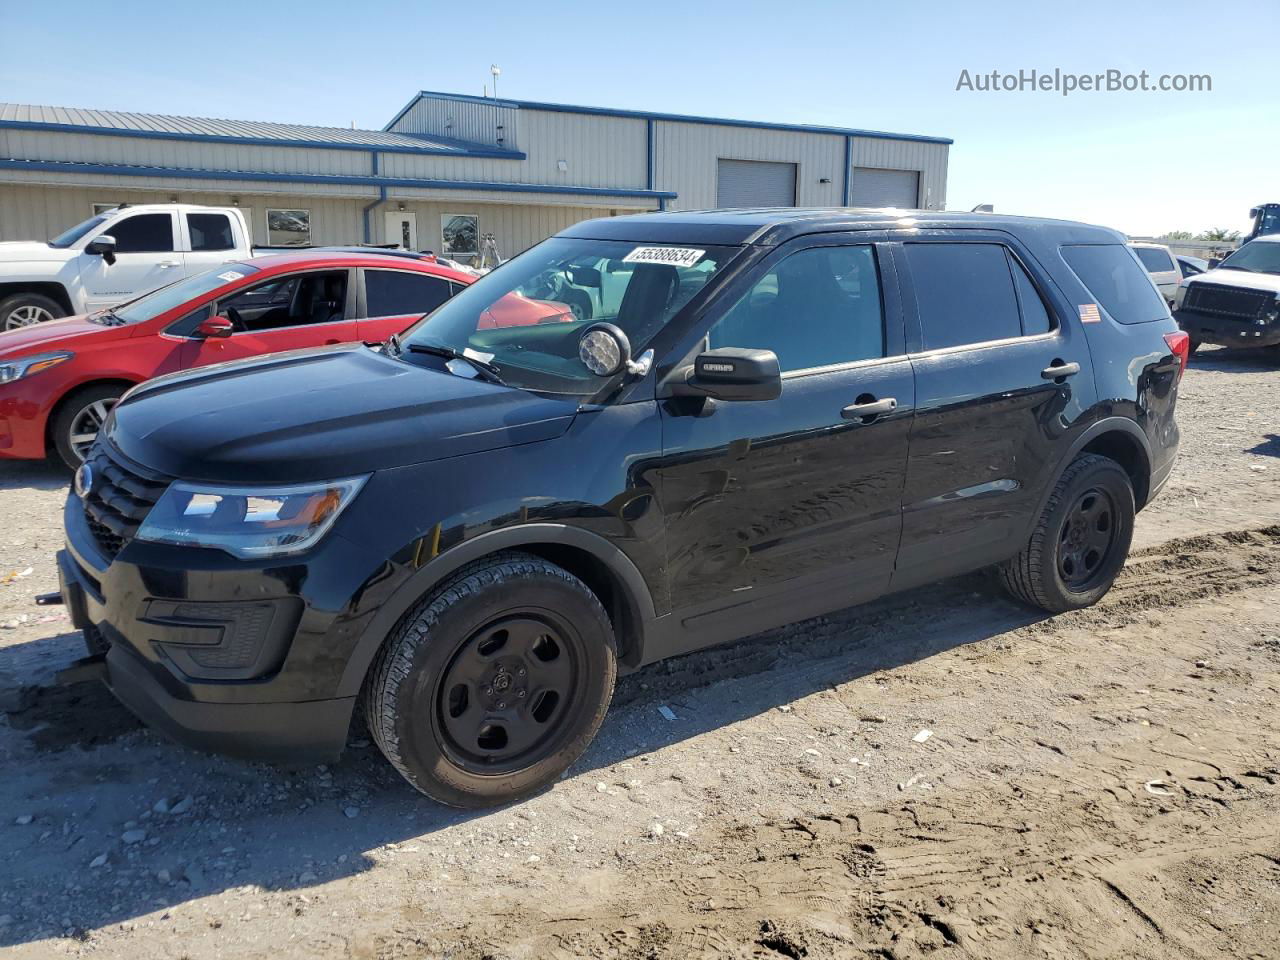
[[202, 129], [671, 117]]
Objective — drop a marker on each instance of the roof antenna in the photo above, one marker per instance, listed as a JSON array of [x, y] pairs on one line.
[[496, 71]]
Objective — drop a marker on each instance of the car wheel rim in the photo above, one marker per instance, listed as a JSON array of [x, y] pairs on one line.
[[26, 316], [578, 312], [508, 693], [85, 426], [1087, 540]]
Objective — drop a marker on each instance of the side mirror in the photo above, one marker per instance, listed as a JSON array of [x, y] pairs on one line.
[[215, 328], [584, 276], [731, 373], [103, 246]]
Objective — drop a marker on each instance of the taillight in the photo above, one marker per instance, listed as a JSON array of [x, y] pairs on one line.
[[1180, 344]]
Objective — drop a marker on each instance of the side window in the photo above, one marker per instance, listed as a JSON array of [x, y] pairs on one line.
[[144, 233], [389, 293], [296, 301], [817, 307], [1156, 261], [964, 292], [1116, 280], [210, 231], [1035, 318]]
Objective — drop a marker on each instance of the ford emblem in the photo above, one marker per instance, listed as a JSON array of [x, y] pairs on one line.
[[84, 481]]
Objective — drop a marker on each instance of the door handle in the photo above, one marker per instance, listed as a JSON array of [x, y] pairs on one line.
[[168, 263], [1060, 369], [871, 408]]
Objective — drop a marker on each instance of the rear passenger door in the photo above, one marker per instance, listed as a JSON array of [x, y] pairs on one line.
[[210, 241], [394, 299], [1002, 374]]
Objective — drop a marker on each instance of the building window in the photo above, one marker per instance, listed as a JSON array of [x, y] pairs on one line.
[[101, 208], [459, 234], [288, 228]]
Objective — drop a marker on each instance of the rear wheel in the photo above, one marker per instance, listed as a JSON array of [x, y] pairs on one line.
[[1192, 346], [492, 686], [1081, 539], [26, 309], [81, 416]]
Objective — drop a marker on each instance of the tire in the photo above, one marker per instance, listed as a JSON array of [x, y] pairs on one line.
[[578, 302], [80, 415], [1056, 570], [25, 309], [1192, 346], [468, 701]]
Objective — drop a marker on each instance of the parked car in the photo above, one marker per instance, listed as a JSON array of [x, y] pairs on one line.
[[1266, 220], [115, 256], [471, 532], [1237, 303], [1190, 266], [1160, 264], [59, 380]]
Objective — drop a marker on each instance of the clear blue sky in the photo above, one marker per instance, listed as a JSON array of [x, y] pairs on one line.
[[1141, 162]]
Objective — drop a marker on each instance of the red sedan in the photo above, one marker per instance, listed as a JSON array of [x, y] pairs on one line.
[[58, 380]]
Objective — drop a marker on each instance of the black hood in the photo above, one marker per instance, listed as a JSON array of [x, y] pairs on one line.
[[320, 415]]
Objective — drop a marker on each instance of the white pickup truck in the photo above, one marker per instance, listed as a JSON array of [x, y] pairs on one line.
[[114, 256]]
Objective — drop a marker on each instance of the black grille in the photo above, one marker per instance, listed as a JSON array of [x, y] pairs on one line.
[[118, 501], [1228, 301]]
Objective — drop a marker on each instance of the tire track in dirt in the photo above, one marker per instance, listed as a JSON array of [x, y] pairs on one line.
[[1113, 849]]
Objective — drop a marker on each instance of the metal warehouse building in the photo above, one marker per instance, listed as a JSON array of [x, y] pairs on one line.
[[446, 170]]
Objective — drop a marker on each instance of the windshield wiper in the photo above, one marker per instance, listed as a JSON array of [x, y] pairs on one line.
[[487, 370]]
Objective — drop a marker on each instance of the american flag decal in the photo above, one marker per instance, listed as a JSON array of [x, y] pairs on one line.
[[1089, 313]]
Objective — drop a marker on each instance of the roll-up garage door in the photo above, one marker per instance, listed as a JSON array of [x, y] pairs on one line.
[[755, 183], [886, 188]]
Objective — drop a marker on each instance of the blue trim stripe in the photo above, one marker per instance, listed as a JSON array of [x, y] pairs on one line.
[[462, 149], [672, 117], [126, 170]]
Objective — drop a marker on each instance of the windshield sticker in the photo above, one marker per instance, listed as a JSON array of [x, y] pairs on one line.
[[477, 355], [230, 276], [1089, 313], [672, 256]]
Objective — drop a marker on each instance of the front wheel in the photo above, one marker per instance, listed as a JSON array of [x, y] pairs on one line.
[[81, 416], [27, 309], [1080, 541], [492, 686]]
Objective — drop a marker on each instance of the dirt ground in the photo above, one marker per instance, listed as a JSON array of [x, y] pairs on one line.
[[1104, 783]]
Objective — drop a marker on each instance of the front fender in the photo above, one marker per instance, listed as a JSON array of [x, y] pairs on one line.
[[439, 569]]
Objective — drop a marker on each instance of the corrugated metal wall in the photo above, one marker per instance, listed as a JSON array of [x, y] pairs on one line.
[[37, 213], [929, 158], [488, 123], [687, 155]]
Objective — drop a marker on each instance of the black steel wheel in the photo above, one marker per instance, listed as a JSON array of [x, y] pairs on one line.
[[495, 683], [503, 696], [1087, 540], [1080, 541]]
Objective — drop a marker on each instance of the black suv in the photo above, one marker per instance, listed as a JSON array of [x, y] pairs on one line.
[[469, 531]]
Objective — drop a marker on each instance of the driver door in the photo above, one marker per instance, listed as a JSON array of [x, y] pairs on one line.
[[311, 309], [145, 258]]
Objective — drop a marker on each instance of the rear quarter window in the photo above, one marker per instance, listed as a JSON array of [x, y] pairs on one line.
[[1116, 280]]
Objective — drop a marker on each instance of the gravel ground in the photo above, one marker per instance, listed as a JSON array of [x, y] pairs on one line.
[[940, 770]]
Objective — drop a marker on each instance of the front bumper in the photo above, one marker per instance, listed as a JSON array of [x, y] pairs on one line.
[[151, 622], [1227, 332]]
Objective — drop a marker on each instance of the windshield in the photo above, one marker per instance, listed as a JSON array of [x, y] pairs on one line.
[[68, 237], [156, 302], [525, 318], [1256, 256]]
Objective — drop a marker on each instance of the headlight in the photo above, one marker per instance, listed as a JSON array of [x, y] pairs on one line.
[[248, 522], [11, 370], [1179, 295]]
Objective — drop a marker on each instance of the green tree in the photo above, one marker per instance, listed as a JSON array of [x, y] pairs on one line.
[[1177, 235], [1220, 234]]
